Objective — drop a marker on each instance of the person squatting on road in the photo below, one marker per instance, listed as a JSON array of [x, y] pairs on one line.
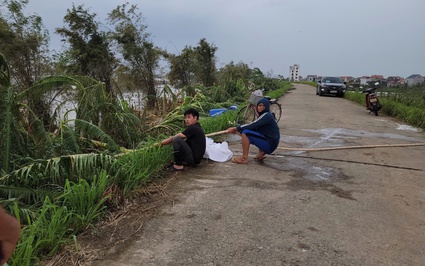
[[191, 151], [10, 230], [263, 133]]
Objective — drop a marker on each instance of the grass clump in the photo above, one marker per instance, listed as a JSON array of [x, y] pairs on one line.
[[406, 104]]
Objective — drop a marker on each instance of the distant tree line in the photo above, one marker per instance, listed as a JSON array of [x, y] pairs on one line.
[[123, 57], [95, 67]]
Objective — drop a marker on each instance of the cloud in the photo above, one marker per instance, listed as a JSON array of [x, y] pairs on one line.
[[325, 37]]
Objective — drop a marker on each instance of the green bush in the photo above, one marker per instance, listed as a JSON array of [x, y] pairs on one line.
[[140, 166], [85, 200], [218, 123], [283, 87]]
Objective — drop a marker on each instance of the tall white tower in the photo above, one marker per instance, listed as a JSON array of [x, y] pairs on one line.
[[293, 73]]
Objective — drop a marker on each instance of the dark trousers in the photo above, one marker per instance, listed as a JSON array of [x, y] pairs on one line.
[[182, 152]]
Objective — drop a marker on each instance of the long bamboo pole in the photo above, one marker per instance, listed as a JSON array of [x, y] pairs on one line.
[[216, 133], [334, 148], [313, 149], [352, 147]]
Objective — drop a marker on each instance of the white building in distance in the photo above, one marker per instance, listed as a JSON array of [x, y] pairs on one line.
[[293, 73], [414, 79]]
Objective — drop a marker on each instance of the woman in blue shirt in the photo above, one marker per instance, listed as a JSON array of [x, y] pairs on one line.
[[263, 133]]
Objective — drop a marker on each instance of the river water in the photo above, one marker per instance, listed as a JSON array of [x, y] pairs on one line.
[[66, 111]]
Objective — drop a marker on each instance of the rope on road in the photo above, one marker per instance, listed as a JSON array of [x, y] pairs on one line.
[[350, 161], [352, 147]]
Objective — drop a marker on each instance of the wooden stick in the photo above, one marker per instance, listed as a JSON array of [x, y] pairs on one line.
[[216, 133], [352, 147]]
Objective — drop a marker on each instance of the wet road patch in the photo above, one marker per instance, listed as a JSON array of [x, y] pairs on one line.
[[307, 175]]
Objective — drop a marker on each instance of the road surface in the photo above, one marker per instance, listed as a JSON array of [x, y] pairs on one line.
[[339, 207]]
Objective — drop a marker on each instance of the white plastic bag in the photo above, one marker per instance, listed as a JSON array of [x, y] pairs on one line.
[[218, 152], [255, 96]]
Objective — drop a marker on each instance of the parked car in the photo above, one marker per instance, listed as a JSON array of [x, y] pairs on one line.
[[331, 85]]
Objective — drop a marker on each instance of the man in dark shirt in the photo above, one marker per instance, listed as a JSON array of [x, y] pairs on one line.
[[191, 151]]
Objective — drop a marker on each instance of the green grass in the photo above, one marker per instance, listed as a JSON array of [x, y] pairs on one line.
[[408, 106], [412, 115], [284, 87], [44, 235], [220, 122], [140, 166]]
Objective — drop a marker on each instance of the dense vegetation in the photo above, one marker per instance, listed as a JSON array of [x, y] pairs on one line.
[[59, 175], [406, 104], [59, 182]]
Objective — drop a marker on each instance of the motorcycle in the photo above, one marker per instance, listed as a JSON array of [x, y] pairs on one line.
[[372, 101]]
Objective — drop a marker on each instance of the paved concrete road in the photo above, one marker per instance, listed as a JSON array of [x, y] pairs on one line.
[[342, 207]]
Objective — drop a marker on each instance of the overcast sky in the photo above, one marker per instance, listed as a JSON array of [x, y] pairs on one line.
[[326, 37]]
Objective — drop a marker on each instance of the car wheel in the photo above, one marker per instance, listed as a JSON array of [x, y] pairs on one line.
[[320, 92], [317, 91]]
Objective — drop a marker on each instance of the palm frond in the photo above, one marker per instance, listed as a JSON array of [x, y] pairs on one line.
[[67, 140], [40, 137], [57, 170], [91, 131], [50, 83], [125, 127], [28, 196], [171, 123]]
